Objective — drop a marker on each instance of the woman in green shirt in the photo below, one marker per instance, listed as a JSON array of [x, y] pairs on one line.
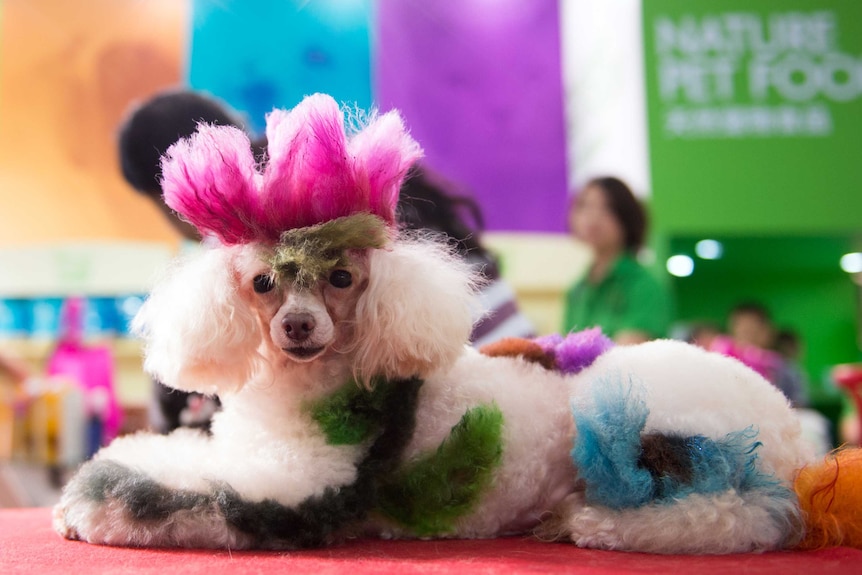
[[617, 293]]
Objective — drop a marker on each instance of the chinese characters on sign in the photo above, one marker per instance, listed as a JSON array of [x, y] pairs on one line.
[[744, 74]]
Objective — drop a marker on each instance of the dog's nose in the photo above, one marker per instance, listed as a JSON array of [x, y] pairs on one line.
[[298, 326]]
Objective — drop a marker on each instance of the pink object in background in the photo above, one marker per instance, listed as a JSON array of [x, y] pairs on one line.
[[848, 377], [89, 366], [762, 361]]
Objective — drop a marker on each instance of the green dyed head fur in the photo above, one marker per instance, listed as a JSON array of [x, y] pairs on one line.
[[305, 255]]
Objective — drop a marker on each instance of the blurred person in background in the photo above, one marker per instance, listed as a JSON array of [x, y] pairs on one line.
[[849, 426], [154, 126], [751, 337], [617, 293], [147, 132], [848, 378], [428, 204], [13, 371], [750, 324], [791, 377]]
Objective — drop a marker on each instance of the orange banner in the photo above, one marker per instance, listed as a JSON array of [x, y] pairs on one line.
[[68, 73]]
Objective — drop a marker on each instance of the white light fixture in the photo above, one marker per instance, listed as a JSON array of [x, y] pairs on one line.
[[680, 266], [852, 262], [709, 249]]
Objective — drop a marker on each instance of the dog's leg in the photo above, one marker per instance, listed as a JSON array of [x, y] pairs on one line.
[[727, 522], [112, 504], [146, 490]]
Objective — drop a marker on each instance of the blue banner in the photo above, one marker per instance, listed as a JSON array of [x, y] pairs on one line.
[[260, 54]]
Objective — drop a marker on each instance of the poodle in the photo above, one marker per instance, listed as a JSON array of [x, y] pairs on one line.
[[353, 406]]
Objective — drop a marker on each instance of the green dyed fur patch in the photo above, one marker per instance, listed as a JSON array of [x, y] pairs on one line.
[[429, 494], [353, 413], [305, 255]]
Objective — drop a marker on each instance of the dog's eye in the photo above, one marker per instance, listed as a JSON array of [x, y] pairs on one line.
[[263, 283], [341, 278]]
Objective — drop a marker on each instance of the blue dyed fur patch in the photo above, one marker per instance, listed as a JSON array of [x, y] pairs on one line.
[[608, 450]]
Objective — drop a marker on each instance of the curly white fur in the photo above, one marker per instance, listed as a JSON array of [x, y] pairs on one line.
[[200, 333], [415, 314], [407, 313]]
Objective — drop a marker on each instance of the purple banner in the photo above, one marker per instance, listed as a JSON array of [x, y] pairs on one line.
[[479, 84]]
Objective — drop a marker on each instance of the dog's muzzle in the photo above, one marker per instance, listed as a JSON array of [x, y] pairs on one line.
[[299, 329]]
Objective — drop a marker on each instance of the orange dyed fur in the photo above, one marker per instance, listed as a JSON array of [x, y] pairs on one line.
[[519, 347], [830, 496]]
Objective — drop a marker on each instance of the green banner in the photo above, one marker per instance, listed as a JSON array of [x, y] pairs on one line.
[[755, 115]]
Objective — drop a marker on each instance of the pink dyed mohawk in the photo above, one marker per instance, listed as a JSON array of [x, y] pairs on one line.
[[314, 173]]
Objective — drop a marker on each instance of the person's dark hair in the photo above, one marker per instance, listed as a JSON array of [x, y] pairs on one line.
[[427, 205], [628, 211], [787, 343], [786, 336], [754, 308], [153, 127]]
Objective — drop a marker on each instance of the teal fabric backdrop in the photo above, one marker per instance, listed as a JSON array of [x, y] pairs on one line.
[[260, 54]]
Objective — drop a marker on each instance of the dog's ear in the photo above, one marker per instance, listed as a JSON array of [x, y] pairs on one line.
[[415, 314], [200, 334]]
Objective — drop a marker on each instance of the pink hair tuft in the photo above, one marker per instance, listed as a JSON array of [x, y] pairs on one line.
[[209, 179], [308, 178], [383, 153], [314, 173]]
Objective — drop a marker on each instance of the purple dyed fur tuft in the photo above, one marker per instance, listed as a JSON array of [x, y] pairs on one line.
[[315, 173], [576, 351]]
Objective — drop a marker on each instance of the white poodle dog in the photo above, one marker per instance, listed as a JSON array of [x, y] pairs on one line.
[[351, 403]]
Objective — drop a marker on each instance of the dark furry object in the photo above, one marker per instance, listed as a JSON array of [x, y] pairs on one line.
[[666, 457], [157, 124]]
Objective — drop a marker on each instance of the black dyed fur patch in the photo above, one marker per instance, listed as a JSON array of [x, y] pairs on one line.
[[666, 457], [144, 498], [272, 524], [312, 522]]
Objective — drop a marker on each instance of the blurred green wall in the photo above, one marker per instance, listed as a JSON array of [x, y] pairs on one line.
[[755, 134]]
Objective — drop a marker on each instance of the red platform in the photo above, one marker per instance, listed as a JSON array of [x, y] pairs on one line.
[[29, 546]]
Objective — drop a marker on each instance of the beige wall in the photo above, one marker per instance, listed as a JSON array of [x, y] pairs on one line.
[[540, 268]]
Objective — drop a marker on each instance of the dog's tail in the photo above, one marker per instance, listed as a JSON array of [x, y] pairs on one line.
[[830, 497]]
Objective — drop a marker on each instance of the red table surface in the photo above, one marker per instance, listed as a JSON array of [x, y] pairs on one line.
[[28, 545]]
